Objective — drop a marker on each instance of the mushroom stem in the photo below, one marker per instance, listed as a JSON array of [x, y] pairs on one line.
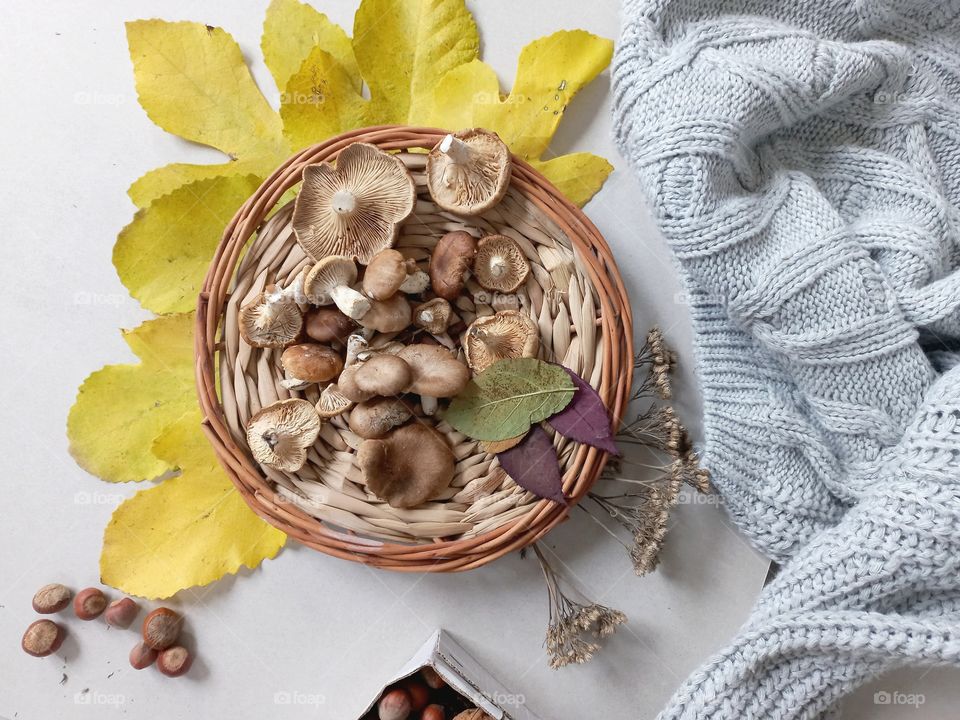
[[429, 404], [351, 303], [271, 439], [356, 344], [498, 266], [456, 149], [344, 202]]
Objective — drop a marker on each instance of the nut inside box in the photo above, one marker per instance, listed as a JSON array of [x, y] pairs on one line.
[[468, 684]]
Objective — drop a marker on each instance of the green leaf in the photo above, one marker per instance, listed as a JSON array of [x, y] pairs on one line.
[[292, 29], [162, 256], [403, 47], [508, 397]]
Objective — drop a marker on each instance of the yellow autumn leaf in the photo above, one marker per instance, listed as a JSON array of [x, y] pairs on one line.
[[550, 71], [192, 81], [579, 176], [120, 409], [162, 256], [403, 47], [187, 531], [292, 30], [164, 180], [320, 101]]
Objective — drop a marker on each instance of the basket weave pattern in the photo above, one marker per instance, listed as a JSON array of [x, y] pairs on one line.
[[574, 294]]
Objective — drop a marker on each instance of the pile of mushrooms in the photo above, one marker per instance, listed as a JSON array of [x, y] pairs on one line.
[[378, 333]]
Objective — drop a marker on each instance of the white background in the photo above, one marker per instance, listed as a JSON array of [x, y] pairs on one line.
[[72, 138]]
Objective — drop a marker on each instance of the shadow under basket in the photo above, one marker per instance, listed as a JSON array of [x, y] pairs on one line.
[[574, 293]]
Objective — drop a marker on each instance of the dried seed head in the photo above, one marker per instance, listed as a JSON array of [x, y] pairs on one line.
[[51, 598]]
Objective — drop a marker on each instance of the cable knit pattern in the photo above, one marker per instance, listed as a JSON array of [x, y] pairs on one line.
[[803, 162]]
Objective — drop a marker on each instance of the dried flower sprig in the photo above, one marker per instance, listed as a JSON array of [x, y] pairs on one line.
[[575, 627], [658, 360]]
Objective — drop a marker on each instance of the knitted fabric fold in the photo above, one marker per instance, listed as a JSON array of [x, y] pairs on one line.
[[803, 162]]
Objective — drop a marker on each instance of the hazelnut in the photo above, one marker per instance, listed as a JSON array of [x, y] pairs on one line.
[[89, 603], [433, 712], [419, 695], [395, 705], [174, 661], [432, 678], [142, 656], [121, 613], [161, 628], [51, 598], [42, 638], [327, 324]]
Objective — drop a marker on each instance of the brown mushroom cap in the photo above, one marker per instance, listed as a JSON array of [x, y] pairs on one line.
[[435, 371], [311, 362], [332, 402], [412, 465], [380, 374], [468, 172], [270, 324], [356, 208], [433, 316], [385, 274], [388, 316], [327, 324], [376, 417], [506, 334], [279, 434], [500, 264], [451, 262]]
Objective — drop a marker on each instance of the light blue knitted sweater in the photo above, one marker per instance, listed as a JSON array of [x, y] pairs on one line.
[[803, 161]]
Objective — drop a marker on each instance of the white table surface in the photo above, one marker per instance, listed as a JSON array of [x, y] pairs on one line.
[[304, 626]]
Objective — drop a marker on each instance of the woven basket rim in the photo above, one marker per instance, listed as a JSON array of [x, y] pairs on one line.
[[439, 555]]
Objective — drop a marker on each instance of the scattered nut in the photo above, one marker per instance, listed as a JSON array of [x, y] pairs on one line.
[[432, 678], [89, 603], [51, 598], [42, 638], [121, 613], [395, 705], [142, 656], [161, 628], [174, 661]]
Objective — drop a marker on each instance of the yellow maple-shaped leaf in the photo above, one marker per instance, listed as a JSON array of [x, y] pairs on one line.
[[550, 71], [192, 81], [162, 256], [187, 531], [579, 176], [403, 47], [320, 101], [120, 409], [163, 180], [292, 30]]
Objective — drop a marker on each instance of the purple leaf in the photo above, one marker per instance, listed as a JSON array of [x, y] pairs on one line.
[[586, 418], [534, 466]]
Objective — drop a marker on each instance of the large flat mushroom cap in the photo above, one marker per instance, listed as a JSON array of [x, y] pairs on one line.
[[504, 335], [412, 465], [468, 172], [353, 209], [270, 324], [279, 434]]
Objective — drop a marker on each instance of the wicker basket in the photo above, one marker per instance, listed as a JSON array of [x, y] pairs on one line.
[[574, 293]]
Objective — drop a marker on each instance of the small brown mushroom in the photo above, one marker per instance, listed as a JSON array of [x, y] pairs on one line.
[[451, 262], [412, 465], [378, 416], [500, 264], [434, 370], [433, 316], [270, 324], [389, 273], [387, 316], [356, 208], [328, 324], [380, 374], [468, 172], [311, 363], [329, 282], [507, 334], [332, 402], [279, 434]]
